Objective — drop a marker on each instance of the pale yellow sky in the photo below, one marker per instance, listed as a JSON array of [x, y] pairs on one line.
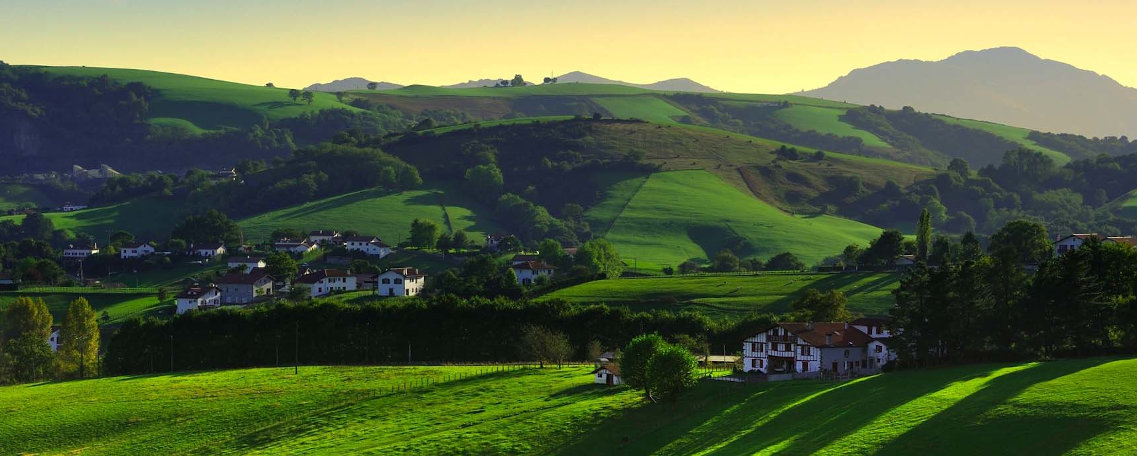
[[765, 46]]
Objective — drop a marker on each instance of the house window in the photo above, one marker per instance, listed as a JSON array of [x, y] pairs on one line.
[[878, 348], [760, 364], [754, 363], [805, 351], [386, 281], [398, 281]]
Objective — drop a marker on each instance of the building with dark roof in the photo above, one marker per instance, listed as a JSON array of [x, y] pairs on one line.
[[794, 350]]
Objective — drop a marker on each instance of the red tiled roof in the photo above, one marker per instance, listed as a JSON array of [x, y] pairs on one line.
[[613, 368], [839, 334], [532, 265], [240, 278], [317, 276], [1125, 240], [870, 321]]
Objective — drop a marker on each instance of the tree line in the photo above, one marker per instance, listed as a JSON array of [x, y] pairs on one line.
[[438, 329], [25, 353]]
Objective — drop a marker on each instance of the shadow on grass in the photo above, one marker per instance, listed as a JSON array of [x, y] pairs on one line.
[[964, 429]]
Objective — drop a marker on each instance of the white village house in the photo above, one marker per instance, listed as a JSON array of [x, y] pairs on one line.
[[369, 245], [324, 237], [248, 263], [401, 282], [244, 288], [1072, 242], [326, 281], [79, 252], [298, 248], [608, 374], [528, 272], [136, 250], [198, 297], [803, 350], [209, 250]]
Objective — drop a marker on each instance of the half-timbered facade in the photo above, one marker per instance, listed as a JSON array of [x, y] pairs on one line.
[[804, 349]]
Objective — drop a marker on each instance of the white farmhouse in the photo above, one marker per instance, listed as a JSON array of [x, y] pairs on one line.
[[608, 374], [369, 245], [136, 250], [79, 252], [298, 248], [1072, 242], [326, 281], [324, 237], [528, 272], [209, 250], [796, 350], [247, 263], [401, 282], [195, 298]]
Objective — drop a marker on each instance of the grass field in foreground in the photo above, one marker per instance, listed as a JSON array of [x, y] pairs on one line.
[[118, 306], [199, 104], [1086, 406], [825, 120], [375, 212], [716, 296], [690, 215]]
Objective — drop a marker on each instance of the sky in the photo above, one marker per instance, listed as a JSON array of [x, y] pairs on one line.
[[757, 46]]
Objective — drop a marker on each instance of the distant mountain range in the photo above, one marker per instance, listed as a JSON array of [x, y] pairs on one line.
[[341, 85], [669, 85], [1006, 85]]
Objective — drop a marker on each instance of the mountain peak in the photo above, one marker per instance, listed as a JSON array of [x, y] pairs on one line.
[[353, 83], [1006, 85]]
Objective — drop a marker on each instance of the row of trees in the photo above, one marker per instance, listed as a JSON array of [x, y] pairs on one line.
[[25, 353], [437, 329], [989, 305]]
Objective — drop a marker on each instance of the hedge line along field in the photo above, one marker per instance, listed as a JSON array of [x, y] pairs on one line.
[[734, 295], [1082, 406], [690, 215], [376, 212]]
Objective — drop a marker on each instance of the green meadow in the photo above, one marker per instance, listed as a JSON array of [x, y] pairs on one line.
[[1083, 406], [376, 212], [1015, 134], [690, 215], [149, 217], [199, 104], [1127, 204], [119, 306], [734, 295], [13, 196], [649, 108], [825, 120]]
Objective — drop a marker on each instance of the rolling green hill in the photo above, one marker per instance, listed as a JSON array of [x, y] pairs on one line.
[[118, 306], [13, 196], [1015, 134], [199, 104], [734, 296], [375, 212], [649, 108], [691, 215], [1126, 205], [805, 117], [148, 217], [1085, 406]]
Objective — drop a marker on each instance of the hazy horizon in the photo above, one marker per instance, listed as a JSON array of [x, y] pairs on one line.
[[758, 46]]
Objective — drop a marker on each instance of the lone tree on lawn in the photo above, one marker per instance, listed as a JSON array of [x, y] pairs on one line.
[[307, 96], [293, 94], [79, 340], [661, 369], [545, 345]]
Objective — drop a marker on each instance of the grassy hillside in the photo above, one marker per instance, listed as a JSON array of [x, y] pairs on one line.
[[1015, 134], [14, 196], [647, 108], [1126, 205], [691, 215], [119, 306], [1083, 406], [149, 217], [726, 296], [199, 104], [375, 212], [826, 120]]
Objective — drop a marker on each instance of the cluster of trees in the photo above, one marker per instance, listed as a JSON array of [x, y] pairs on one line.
[[420, 330], [661, 369], [517, 81], [726, 261], [25, 354], [296, 94], [1080, 303], [759, 120]]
